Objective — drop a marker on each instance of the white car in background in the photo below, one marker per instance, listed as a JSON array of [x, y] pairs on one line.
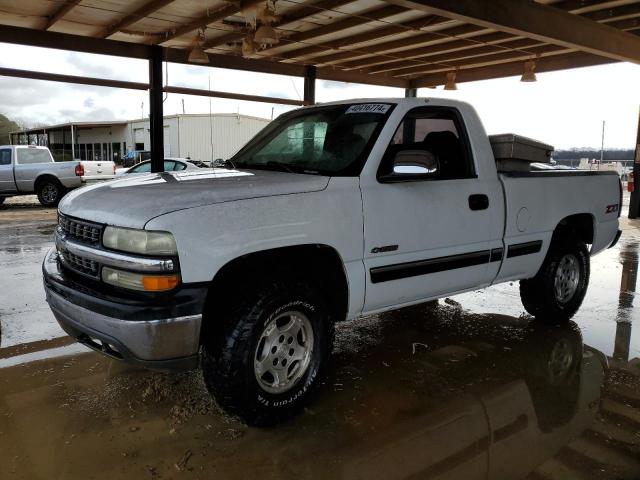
[[170, 165]]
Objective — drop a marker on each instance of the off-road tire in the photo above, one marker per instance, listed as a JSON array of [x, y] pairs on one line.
[[538, 293], [49, 192], [229, 349]]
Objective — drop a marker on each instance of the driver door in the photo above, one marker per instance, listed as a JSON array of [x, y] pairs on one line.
[[426, 235]]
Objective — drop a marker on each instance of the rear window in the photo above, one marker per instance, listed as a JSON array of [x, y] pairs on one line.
[[33, 155], [5, 157]]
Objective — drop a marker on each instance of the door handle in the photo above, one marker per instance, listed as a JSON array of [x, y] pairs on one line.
[[478, 201]]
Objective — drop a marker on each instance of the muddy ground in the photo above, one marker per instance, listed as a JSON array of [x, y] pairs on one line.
[[464, 389]]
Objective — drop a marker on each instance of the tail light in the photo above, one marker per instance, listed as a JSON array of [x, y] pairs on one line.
[[631, 183], [79, 170]]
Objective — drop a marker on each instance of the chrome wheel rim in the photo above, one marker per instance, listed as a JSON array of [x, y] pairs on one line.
[[567, 278], [560, 361], [49, 193], [283, 352]]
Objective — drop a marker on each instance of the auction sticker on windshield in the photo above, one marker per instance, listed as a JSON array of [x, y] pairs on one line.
[[369, 108]]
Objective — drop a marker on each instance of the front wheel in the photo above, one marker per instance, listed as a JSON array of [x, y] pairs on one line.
[[270, 353], [556, 292], [49, 192]]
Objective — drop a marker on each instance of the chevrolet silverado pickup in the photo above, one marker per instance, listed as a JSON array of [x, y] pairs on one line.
[[332, 212], [27, 169]]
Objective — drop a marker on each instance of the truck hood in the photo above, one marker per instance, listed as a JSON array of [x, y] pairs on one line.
[[133, 201]]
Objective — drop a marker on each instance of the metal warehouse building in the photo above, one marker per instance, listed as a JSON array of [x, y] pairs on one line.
[[197, 136]]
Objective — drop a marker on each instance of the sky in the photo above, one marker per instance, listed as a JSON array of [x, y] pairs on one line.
[[565, 109]]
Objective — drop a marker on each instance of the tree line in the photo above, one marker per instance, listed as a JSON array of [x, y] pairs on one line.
[[7, 126], [608, 154]]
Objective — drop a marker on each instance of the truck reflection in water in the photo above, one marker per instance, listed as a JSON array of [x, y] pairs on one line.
[[513, 405], [421, 393]]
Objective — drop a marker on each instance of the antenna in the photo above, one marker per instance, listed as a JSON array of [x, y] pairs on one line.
[[183, 106], [210, 124], [602, 144], [142, 110]]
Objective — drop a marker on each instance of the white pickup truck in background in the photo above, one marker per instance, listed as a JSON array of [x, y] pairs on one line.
[[27, 169], [331, 212]]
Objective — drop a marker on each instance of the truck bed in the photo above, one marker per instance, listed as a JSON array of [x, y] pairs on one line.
[[536, 201]]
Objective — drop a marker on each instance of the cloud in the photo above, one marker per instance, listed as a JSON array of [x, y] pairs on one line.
[[97, 114], [89, 102]]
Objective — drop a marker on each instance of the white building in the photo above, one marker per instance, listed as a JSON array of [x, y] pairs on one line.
[[197, 136]]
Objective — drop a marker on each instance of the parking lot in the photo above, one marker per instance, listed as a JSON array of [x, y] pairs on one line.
[[470, 388]]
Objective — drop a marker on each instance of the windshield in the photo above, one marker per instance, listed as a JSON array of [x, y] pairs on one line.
[[330, 140]]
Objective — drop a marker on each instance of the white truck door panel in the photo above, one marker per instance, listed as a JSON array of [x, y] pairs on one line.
[[437, 251], [434, 236], [7, 184]]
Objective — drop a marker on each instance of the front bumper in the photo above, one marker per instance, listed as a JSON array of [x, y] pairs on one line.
[[160, 333]]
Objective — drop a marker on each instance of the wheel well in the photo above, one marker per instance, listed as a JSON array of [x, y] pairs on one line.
[[42, 178], [320, 263], [580, 224]]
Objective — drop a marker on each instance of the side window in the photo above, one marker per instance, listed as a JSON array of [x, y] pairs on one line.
[[438, 131], [180, 166], [169, 165], [141, 168], [5, 157], [33, 155]]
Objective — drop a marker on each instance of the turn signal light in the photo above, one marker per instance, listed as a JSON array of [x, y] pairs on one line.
[[159, 283], [140, 281]]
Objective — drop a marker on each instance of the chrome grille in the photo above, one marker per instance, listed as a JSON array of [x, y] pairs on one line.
[[81, 264], [80, 230]]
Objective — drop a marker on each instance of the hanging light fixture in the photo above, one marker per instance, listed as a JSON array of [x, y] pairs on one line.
[[197, 54], [451, 81], [529, 74], [248, 46], [266, 35]]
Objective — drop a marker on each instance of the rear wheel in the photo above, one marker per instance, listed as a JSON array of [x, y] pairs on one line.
[[49, 192], [556, 292], [270, 353]]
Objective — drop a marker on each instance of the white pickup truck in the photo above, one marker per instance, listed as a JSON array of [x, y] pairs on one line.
[[27, 169], [332, 212]]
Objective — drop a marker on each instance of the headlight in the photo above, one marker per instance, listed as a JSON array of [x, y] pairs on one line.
[[139, 241], [139, 281]]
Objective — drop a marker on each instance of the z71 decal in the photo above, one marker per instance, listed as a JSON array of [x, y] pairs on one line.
[[612, 208]]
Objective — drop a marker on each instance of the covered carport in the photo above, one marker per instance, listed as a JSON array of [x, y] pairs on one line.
[[408, 44]]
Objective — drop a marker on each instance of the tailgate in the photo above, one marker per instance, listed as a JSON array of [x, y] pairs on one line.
[[97, 170]]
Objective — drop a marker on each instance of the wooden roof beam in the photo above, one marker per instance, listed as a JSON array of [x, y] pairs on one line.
[[544, 64], [513, 46], [388, 46], [311, 50], [537, 21], [493, 58], [144, 11], [56, 16], [207, 17], [349, 21], [422, 56]]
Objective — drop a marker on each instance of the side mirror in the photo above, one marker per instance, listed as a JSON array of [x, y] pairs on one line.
[[409, 165]]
